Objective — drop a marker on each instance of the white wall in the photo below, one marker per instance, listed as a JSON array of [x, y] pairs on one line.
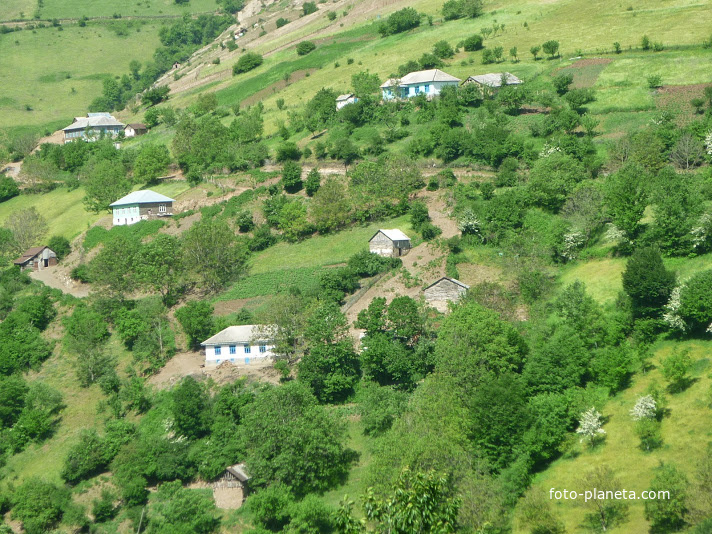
[[240, 356], [126, 215]]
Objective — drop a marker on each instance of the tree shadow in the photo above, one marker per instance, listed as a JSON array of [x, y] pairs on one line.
[[681, 385]]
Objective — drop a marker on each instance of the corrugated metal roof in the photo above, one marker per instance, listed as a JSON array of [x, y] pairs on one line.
[[143, 196], [423, 76], [93, 120], [239, 471], [454, 281], [341, 98], [394, 235], [236, 334], [28, 255], [494, 79]]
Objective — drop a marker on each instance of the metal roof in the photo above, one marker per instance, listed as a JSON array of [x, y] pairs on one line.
[[93, 120], [393, 235], [450, 280], [422, 76], [239, 471], [341, 98], [494, 79], [144, 196], [236, 334], [28, 255]]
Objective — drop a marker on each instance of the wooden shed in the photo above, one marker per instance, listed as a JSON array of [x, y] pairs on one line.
[[36, 258], [391, 243], [444, 290]]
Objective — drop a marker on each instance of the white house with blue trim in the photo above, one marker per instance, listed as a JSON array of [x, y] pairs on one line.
[[243, 344], [141, 206], [423, 82]]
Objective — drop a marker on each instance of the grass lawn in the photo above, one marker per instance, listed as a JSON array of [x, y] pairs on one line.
[[686, 432], [273, 282], [321, 250], [16, 9], [57, 74], [107, 8]]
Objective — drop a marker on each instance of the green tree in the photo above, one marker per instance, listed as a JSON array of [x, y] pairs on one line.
[[331, 371], [604, 513], [320, 110], [379, 407], [190, 408], [196, 318], [552, 179], [289, 438], [159, 266], [308, 8], [330, 208], [457, 9], [675, 369], [551, 48], [181, 510], [626, 198], [647, 282], [113, 267], [88, 457], [28, 228], [473, 43], [364, 84], [247, 62], [60, 245], [12, 399], [151, 162], [696, 302], [443, 50], [8, 188], [305, 47], [400, 21], [213, 254], [562, 82], [39, 505], [535, 51], [104, 182], [677, 207], [668, 512], [313, 182], [291, 176]]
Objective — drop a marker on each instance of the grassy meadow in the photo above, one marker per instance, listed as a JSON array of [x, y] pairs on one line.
[[48, 76], [108, 8]]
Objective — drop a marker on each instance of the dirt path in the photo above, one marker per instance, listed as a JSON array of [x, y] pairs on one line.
[[58, 278]]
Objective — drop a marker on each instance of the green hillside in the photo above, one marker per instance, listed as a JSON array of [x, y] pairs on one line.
[[576, 208]]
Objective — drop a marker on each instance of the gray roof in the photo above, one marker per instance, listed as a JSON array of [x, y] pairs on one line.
[[494, 79], [236, 334], [393, 235], [422, 76], [93, 120], [454, 281], [341, 98], [239, 471], [144, 196]]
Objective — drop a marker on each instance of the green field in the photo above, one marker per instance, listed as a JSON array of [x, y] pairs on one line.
[[48, 76], [16, 9], [686, 432], [107, 8], [64, 210]]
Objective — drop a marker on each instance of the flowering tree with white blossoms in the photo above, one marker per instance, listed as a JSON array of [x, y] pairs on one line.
[[645, 408], [590, 425]]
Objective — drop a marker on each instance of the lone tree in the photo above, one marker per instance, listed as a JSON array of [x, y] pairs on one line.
[[604, 513], [535, 51], [590, 426], [647, 282], [551, 48]]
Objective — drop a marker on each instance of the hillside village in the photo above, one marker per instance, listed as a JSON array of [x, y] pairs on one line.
[[355, 266]]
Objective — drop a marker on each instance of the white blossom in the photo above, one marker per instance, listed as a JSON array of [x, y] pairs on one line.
[[613, 233], [708, 143], [573, 241], [590, 425], [548, 150], [645, 408], [469, 223], [702, 232], [672, 308]]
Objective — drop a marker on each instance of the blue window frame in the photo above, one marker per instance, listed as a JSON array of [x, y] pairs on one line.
[[218, 351], [233, 349], [247, 348], [263, 348]]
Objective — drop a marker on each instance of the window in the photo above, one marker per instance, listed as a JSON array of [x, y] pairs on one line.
[[218, 351], [233, 349], [161, 208], [247, 348], [263, 348]]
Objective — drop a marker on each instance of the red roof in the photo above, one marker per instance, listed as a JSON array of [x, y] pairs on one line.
[[28, 255]]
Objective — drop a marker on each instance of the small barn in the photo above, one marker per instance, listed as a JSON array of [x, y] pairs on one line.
[[36, 259], [391, 243], [444, 290], [132, 130], [345, 100], [231, 487]]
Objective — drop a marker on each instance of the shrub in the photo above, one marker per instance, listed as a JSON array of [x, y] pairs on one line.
[[8, 188], [654, 81], [473, 43], [246, 63], [60, 245], [551, 47], [305, 47], [81, 273], [331, 15], [292, 176], [458, 9], [562, 83], [645, 43], [287, 152], [400, 21], [443, 50], [281, 21], [696, 302], [308, 8]]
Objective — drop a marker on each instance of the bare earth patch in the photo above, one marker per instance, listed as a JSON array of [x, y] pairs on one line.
[[58, 278], [585, 71], [676, 99]]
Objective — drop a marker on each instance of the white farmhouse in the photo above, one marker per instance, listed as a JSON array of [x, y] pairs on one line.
[[239, 345], [423, 82], [345, 100], [140, 206]]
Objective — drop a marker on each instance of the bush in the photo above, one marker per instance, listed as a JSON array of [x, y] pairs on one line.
[[473, 43], [400, 21], [647, 282], [696, 302], [488, 56], [308, 8], [443, 50], [8, 188], [562, 83], [305, 47], [281, 21], [60, 245], [247, 62], [458, 9], [654, 81], [292, 176], [313, 182], [288, 151], [551, 47]]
